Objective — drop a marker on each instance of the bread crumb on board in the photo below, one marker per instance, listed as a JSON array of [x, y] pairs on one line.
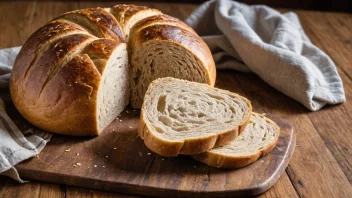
[[67, 150], [77, 164]]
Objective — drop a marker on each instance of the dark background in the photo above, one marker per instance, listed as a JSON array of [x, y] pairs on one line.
[[323, 5]]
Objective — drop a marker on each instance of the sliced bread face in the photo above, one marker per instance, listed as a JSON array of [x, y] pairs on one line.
[[183, 117], [167, 51], [258, 139]]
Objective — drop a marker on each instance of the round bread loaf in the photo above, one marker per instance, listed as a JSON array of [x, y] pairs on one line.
[[73, 76]]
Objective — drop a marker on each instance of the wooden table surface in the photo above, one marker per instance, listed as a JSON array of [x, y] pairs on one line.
[[322, 163]]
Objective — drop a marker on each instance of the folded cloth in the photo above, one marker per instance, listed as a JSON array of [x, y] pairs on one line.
[[274, 46], [15, 147]]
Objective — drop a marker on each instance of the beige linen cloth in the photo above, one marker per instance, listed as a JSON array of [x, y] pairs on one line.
[[274, 46], [246, 38], [15, 147]]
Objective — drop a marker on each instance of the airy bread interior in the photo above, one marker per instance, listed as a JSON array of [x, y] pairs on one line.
[[113, 94], [182, 111], [158, 59]]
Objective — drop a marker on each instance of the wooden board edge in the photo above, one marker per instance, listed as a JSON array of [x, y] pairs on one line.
[[153, 191]]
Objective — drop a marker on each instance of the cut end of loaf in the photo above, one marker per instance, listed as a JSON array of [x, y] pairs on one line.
[[258, 139], [183, 117], [157, 59], [113, 95]]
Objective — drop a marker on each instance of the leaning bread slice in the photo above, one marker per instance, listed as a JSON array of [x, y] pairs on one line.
[[258, 139], [183, 117]]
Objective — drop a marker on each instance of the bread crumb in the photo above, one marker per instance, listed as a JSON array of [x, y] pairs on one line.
[[77, 154], [126, 111], [76, 164], [148, 153], [67, 150], [130, 127], [162, 159], [113, 129], [120, 120], [95, 166], [103, 166], [114, 148], [106, 156]]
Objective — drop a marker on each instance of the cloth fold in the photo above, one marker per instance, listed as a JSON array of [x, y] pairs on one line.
[[15, 147], [274, 46]]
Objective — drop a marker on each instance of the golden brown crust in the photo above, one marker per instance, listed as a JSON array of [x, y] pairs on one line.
[[161, 19], [99, 52], [231, 162], [64, 100], [73, 92], [38, 40], [124, 13], [105, 21], [181, 37]]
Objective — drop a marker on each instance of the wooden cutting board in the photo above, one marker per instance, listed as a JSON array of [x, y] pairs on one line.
[[118, 160]]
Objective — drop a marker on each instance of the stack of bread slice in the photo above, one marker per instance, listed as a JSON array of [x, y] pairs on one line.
[[214, 126]]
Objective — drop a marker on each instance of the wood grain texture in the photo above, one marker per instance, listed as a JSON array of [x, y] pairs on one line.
[[312, 159], [337, 42], [329, 128], [118, 160], [10, 188]]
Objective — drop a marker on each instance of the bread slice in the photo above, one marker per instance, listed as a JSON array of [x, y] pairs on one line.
[[183, 117], [258, 139]]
